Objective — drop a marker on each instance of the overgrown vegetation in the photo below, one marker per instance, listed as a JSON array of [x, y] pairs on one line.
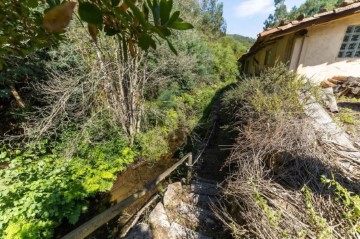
[[78, 112], [284, 182]]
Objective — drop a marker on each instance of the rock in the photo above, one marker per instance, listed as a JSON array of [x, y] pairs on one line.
[[205, 180], [159, 222], [331, 100], [197, 216], [196, 199], [140, 231], [204, 188], [179, 232], [172, 195], [330, 132]]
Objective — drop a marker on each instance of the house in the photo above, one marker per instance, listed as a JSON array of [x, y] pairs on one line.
[[319, 47]]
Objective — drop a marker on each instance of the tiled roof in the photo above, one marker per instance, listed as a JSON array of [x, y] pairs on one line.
[[297, 25]]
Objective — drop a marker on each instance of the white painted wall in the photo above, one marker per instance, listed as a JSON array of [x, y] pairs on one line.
[[319, 58]]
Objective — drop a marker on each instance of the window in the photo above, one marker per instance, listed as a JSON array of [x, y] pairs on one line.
[[350, 48], [246, 66], [268, 57]]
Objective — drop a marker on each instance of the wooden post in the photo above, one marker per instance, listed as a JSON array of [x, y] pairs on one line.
[[190, 165]]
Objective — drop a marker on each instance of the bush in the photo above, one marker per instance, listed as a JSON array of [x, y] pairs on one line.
[[153, 143], [276, 90], [40, 187], [275, 189], [225, 61]]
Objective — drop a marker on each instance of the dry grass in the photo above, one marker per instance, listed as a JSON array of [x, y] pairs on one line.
[[275, 189]]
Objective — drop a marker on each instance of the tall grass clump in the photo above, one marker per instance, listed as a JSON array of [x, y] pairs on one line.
[[283, 182]]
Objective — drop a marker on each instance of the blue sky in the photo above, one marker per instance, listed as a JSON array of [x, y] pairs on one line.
[[246, 17]]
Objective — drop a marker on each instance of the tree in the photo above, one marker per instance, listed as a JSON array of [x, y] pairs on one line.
[[30, 25], [279, 14], [309, 8], [21, 32], [213, 23], [132, 22]]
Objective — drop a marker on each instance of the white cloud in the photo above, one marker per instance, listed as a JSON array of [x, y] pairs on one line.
[[251, 7]]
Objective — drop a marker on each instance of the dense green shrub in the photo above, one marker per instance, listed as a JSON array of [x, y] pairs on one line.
[[39, 187], [270, 93], [224, 59]]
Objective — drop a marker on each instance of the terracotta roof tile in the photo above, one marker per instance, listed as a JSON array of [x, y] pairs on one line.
[[317, 16], [353, 8]]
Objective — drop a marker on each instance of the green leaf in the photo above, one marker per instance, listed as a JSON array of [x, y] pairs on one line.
[[165, 31], [174, 17], [51, 3], [115, 3], [106, 175], [152, 44], [144, 41], [156, 12], [181, 26], [165, 10], [32, 3], [3, 155], [149, 4], [146, 12], [90, 13], [172, 48], [137, 12]]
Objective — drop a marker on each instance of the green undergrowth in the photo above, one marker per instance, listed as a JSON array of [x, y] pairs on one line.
[[319, 223], [348, 99], [174, 111], [349, 201], [40, 187], [347, 117]]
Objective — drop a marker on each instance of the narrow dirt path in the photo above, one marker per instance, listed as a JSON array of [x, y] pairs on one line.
[[220, 144], [185, 211]]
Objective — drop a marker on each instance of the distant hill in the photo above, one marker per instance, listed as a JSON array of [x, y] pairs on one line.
[[239, 44], [247, 41]]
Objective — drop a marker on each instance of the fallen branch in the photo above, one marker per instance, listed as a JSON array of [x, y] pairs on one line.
[[135, 219]]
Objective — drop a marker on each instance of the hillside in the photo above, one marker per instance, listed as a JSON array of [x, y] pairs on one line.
[[246, 41]]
